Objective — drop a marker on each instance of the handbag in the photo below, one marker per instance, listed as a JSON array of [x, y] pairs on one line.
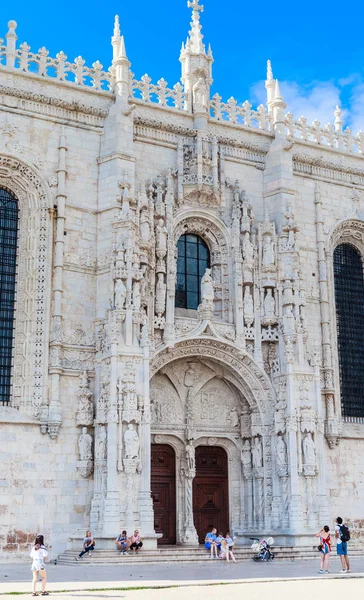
[[320, 547]]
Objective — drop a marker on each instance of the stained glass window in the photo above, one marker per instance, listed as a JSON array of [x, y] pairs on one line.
[[193, 260], [349, 297], [8, 255]]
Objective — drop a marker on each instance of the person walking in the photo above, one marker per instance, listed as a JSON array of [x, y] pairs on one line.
[[39, 554], [342, 535], [122, 542], [324, 548], [88, 545]]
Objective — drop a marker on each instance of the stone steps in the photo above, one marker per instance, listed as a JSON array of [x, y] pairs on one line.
[[176, 554]]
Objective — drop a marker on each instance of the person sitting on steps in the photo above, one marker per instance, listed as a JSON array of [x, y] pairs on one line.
[[135, 542], [210, 542], [122, 542], [88, 545]]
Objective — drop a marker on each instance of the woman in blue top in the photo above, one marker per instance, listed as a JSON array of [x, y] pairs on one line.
[[210, 542]]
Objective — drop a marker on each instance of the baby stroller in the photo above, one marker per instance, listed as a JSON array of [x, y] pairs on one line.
[[262, 549]]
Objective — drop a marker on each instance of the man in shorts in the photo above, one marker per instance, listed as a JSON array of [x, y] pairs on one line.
[[342, 547]]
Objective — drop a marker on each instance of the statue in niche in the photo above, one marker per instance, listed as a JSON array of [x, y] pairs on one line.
[[85, 445], [289, 325], [257, 453], [309, 450], [269, 304], [83, 380], [190, 377], [190, 458], [248, 248], [207, 287], [281, 451], [136, 296], [144, 225], [233, 417], [131, 441], [268, 252], [120, 294], [200, 95], [248, 302], [246, 457], [161, 233], [161, 291], [100, 446]]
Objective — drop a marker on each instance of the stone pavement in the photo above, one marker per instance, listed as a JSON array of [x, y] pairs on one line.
[[82, 581]]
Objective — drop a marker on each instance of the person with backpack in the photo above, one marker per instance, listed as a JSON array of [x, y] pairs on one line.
[[342, 535]]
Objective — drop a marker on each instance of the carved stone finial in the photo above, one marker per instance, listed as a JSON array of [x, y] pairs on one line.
[[116, 26], [269, 71]]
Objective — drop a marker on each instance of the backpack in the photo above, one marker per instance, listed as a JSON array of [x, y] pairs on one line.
[[344, 533]]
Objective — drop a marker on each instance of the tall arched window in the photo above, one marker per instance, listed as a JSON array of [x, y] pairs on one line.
[[8, 253], [349, 297], [193, 260]]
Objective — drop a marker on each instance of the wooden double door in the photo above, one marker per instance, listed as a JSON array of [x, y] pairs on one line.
[[210, 491]]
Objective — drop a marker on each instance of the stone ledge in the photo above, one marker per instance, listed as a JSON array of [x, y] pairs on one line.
[[8, 414]]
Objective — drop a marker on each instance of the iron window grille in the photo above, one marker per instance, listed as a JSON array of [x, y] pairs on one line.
[[192, 262], [349, 298], [9, 213]]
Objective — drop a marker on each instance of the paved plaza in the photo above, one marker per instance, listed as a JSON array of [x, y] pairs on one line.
[[278, 579]]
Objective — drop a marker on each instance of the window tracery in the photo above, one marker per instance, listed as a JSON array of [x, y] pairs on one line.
[[192, 262]]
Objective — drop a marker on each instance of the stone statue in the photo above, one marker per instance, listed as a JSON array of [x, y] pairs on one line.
[[269, 304], [248, 302], [190, 458], [207, 287], [161, 291], [120, 294], [246, 457], [131, 441], [248, 248], [281, 451], [268, 252], [289, 325], [233, 417], [200, 95], [309, 450], [144, 225], [257, 453], [136, 296], [161, 233], [85, 445], [83, 380], [100, 446]]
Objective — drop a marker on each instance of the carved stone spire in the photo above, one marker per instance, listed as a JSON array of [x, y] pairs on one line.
[[269, 86], [278, 106], [196, 72], [120, 62]]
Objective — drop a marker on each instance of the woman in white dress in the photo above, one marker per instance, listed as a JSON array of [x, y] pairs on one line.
[[39, 554]]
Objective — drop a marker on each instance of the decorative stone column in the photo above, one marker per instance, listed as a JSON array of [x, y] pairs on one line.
[[190, 536]]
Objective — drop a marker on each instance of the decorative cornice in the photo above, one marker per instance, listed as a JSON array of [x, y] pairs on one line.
[[178, 129], [341, 170], [75, 107]]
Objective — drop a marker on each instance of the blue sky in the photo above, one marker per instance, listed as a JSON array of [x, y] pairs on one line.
[[315, 52]]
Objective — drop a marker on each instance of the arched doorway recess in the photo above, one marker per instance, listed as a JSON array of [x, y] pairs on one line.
[[209, 400]]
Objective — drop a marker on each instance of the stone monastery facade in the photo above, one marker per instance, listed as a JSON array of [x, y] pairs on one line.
[[171, 355]]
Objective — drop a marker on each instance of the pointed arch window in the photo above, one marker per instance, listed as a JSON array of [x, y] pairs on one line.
[[349, 300], [9, 213], [192, 262]]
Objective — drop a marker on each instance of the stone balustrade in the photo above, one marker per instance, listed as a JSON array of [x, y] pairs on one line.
[[158, 93], [240, 114], [59, 68]]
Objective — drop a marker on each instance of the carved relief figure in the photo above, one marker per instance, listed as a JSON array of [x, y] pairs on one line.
[[161, 290], [120, 294], [233, 417], [190, 376], [131, 441], [246, 457], [85, 445], [248, 303], [100, 445], [161, 238], [144, 225], [248, 248], [257, 453], [136, 296], [268, 252], [190, 457], [309, 450], [289, 325], [281, 451], [207, 287], [200, 95], [269, 304]]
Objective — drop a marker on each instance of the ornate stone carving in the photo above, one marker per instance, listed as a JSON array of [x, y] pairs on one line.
[[84, 415], [131, 442]]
